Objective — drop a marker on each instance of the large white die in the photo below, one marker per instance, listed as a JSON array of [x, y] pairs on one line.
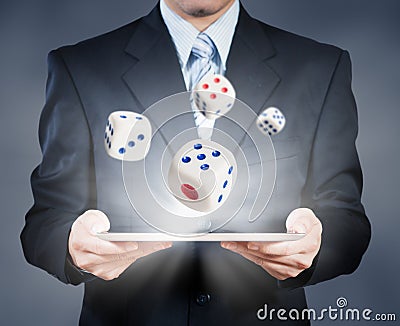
[[202, 174], [214, 96], [127, 136], [271, 121]]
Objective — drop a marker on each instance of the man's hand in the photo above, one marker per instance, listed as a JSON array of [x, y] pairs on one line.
[[104, 259], [287, 258]]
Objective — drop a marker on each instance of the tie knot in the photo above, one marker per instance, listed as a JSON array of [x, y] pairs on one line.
[[203, 47]]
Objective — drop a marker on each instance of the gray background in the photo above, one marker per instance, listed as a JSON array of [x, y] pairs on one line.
[[29, 29]]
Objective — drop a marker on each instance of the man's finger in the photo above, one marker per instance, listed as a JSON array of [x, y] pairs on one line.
[[273, 249], [298, 261], [270, 249], [143, 249], [101, 247], [277, 270], [100, 264], [111, 271], [92, 262], [148, 248]]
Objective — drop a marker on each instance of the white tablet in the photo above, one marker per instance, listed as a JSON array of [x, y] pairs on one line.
[[209, 237]]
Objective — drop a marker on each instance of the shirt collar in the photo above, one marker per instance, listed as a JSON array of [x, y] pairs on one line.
[[184, 34]]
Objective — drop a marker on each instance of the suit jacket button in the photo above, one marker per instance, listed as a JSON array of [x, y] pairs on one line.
[[202, 299]]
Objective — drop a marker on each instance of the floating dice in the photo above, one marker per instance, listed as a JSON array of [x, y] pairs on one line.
[[127, 136], [271, 121], [214, 96], [202, 174]]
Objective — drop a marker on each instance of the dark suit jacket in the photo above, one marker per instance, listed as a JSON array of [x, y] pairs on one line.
[[135, 66]]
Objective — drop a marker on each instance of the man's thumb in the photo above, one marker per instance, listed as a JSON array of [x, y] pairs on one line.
[[300, 220], [95, 221]]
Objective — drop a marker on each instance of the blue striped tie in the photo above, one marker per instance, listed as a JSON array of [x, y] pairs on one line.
[[200, 61], [202, 55]]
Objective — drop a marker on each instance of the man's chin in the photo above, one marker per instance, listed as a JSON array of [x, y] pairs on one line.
[[200, 13], [202, 8]]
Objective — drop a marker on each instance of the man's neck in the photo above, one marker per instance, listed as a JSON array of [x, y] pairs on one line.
[[200, 23]]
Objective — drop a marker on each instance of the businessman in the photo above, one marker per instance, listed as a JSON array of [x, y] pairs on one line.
[[77, 191]]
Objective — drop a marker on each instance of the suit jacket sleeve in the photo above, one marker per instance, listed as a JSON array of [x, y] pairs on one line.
[[63, 184], [334, 184]]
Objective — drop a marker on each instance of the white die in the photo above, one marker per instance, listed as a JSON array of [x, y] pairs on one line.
[[202, 174], [127, 136], [271, 121], [214, 96]]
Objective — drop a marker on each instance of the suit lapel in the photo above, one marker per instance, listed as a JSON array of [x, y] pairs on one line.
[[249, 71], [247, 66], [156, 72]]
